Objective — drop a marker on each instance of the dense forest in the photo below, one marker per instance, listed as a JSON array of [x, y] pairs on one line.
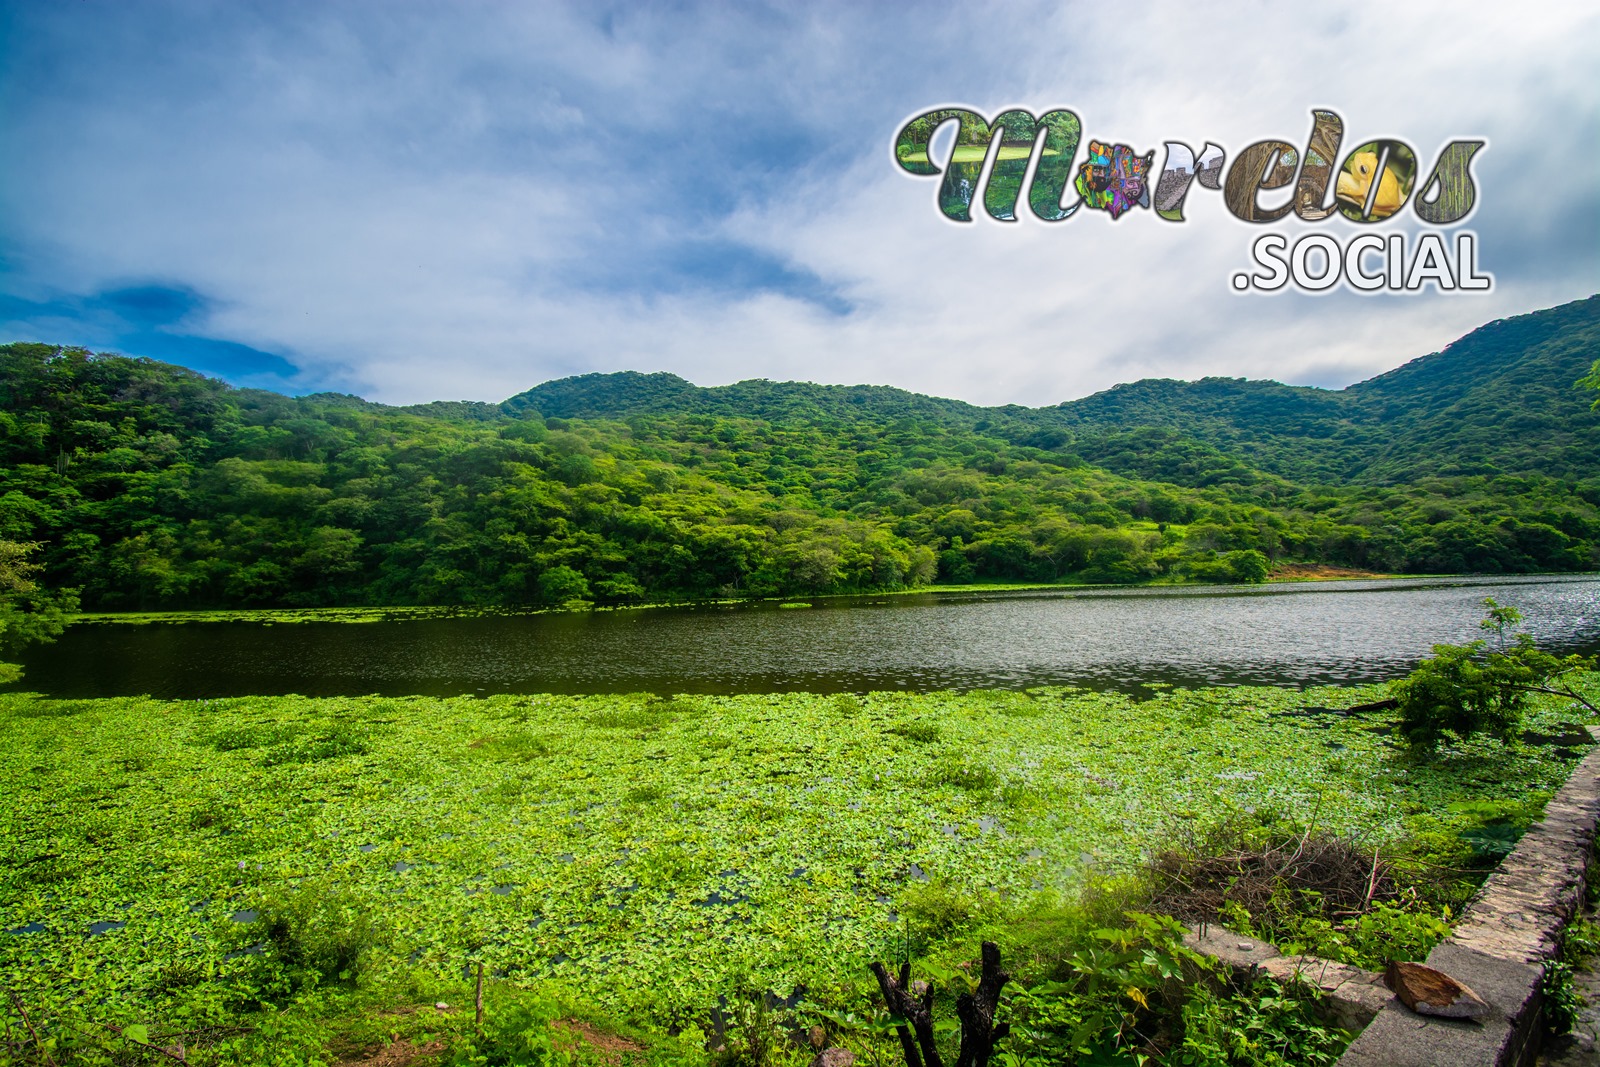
[[149, 485]]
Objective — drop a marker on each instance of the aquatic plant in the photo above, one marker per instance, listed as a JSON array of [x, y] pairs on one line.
[[176, 863]]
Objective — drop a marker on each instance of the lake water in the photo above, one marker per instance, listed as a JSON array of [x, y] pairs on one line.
[[1102, 638]]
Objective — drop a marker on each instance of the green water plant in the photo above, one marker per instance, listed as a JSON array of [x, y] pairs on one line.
[[1483, 687], [282, 862]]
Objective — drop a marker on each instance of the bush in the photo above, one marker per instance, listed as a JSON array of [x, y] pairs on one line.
[[937, 909], [324, 934], [516, 1031], [1467, 689], [1245, 565], [1267, 1024], [753, 1033], [561, 585]]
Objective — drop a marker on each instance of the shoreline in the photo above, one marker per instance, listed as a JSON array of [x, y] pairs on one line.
[[400, 613]]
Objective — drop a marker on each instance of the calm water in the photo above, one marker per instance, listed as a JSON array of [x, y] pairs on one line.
[[1290, 634]]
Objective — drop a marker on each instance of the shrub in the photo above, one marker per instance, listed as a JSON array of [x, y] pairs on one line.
[[923, 733], [517, 1030], [1468, 689], [936, 909], [959, 773], [325, 934], [753, 1034]]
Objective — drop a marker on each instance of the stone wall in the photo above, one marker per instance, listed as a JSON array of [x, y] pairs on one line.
[[1500, 944], [1498, 950]]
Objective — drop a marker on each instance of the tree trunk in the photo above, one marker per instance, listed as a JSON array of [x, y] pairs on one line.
[[976, 1011], [917, 1011]]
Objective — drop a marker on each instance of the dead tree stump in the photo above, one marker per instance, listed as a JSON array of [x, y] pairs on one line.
[[976, 1012], [918, 1011]]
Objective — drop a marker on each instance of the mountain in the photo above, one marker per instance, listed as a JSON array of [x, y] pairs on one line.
[[1502, 398], [1499, 400], [151, 486], [628, 393]]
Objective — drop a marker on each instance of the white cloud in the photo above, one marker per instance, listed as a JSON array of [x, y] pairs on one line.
[[423, 204]]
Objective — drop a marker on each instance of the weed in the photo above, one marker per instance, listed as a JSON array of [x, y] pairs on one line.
[[939, 909], [254, 735], [632, 717], [1560, 996], [960, 773], [752, 1031], [923, 733], [1264, 1024], [517, 1032], [320, 932], [521, 746], [647, 793], [341, 739]]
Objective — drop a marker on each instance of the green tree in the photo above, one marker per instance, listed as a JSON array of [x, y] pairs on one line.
[[1592, 381], [28, 613], [558, 585], [1248, 565], [1473, 688]]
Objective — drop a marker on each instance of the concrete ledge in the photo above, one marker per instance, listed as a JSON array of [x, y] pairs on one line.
[[1244, 954], [1354, 996], [1499, 948], [1399, 1037]]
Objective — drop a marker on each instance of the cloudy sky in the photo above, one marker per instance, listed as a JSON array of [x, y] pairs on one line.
[[416, 202]]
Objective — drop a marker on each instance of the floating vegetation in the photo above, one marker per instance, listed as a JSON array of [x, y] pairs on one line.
[[643, 852]]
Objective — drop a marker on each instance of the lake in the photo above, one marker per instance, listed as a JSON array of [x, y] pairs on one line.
[[1289, 634]]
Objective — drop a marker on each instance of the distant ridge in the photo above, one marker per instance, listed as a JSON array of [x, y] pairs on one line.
[[625, 393], [1500, 399]]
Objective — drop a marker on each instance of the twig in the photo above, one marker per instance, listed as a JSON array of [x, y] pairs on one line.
[[1372, 879], [477, 998], [17, 1003], [1566, 692], [168, 1053]]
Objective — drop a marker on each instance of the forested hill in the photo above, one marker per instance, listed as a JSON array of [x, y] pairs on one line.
[[148, 485], [1501, 399], [629, 393]]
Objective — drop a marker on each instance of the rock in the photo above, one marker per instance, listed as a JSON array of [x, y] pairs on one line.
[[834, 1057], [1427, 991]]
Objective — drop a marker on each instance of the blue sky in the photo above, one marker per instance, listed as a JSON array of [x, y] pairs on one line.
[[416, 202]]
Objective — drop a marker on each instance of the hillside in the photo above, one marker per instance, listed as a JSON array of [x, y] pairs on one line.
[[152, 486], [1499, 400]]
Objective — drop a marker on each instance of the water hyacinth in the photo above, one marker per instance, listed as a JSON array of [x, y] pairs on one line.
[[585, 838]]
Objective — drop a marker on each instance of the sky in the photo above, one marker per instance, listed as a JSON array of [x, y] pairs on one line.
[[415, 202]]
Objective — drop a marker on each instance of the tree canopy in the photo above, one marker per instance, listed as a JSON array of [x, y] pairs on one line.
[[150, 486]]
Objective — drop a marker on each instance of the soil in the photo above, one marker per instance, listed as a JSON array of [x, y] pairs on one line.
[[1296, 572], [400, 1054], [611, 1047]]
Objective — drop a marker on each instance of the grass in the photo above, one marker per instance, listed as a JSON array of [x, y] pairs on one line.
[[639, 855]]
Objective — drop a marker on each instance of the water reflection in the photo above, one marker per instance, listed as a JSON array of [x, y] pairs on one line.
[[1103, 638]]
